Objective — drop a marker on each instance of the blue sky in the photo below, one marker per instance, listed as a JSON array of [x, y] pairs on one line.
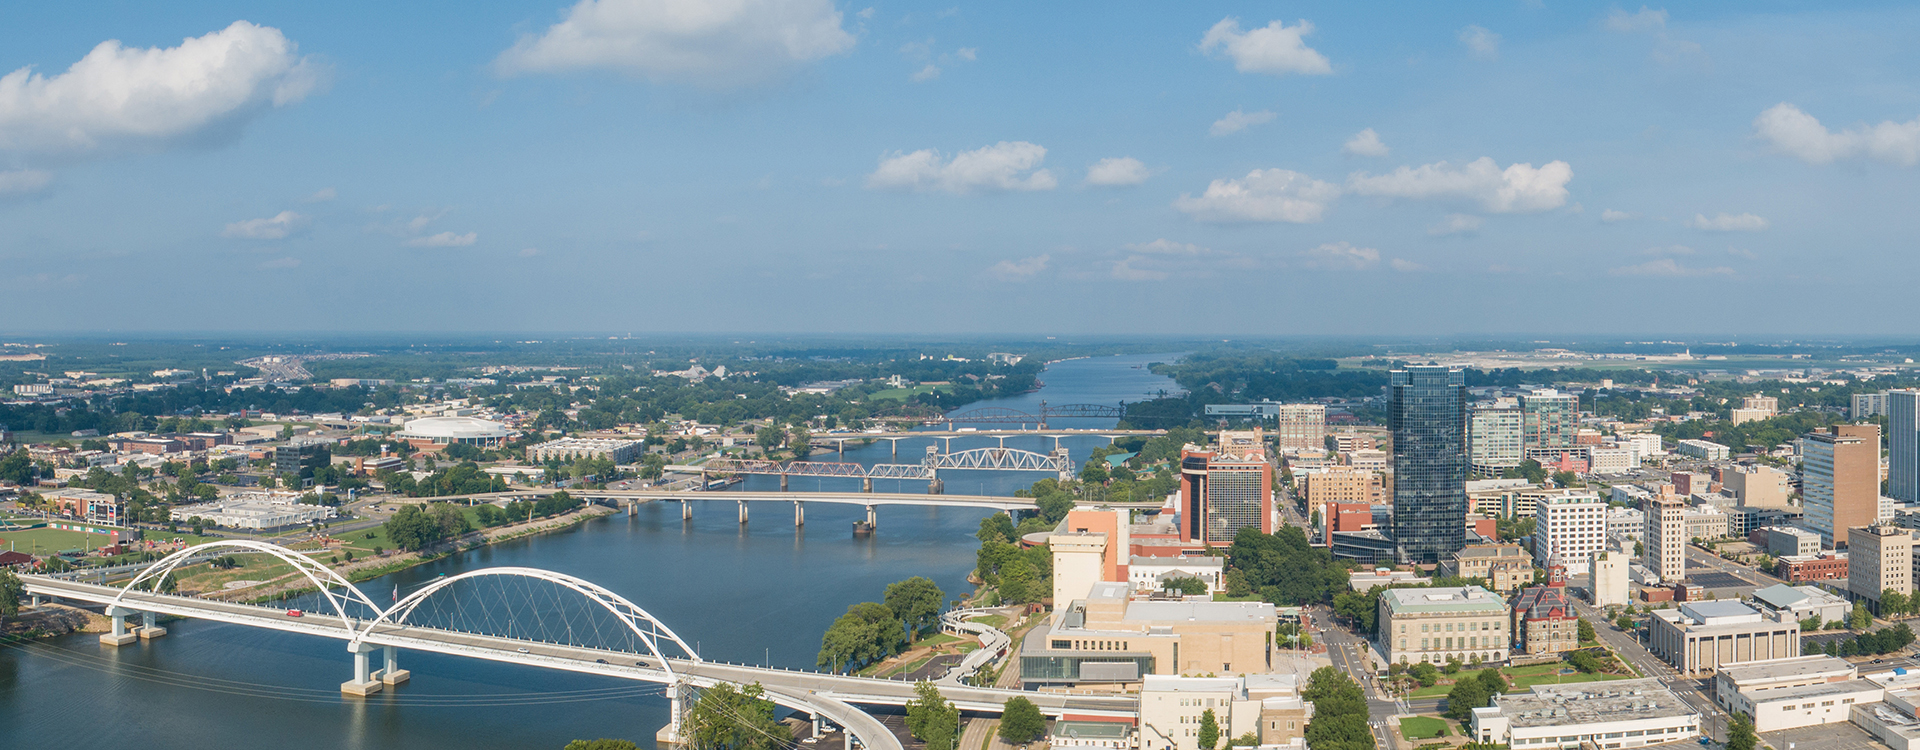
[[1035, 168]]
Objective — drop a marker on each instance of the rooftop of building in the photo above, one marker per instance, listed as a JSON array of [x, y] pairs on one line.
[[1108, 590], [1542, 602], [1092, 730], [1491, 550], [1816, 690], [586, 442], [1455, 599], [1786, 669], [1592, 703], [1782, 596], [1181, 561], [1167, 683], [1200, 612]]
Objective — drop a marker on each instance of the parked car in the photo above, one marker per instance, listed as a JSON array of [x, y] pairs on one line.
[[295, 613]]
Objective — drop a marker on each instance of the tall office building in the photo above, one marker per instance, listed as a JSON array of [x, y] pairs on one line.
[[1551, 419], [1494, 437], [1879, 559], [1840, 480], [1301, 427], [1902, 408], [1227, 490], [1868, 404], [1666, 537], [1426, 414]]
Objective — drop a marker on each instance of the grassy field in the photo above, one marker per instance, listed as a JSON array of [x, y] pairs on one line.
[[1521, 678], [45, 541], [1422, 727], [902, 394]]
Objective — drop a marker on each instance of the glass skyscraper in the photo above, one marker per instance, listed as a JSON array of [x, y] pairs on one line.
[[1426, 412]]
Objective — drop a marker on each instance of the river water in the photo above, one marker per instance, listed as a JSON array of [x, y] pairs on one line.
[[758, 593]]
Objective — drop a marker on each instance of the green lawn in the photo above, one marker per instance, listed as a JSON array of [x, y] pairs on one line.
[[1422, 727], [937, 639], [1521, 678], [997, 622], [46, 540], [902, 394]]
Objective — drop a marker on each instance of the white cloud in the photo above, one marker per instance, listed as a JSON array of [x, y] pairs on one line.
[[968, 54], [1117, 172], [323, 195], [1669, 267], [1340, 256], [1645, 20], [1520, 188], [715, 42], [1728, 223], [281, 263], [1237, 121], [1481, 43], [1263, 195], [1275, 48], [1455, 224], [1007, 165], [1611, 216], [1365, 143], [928, 73], [445, 239], [1402, 264], [274, 227], [1019, 270], [24, 181], [117, 97], [1797, 133], [1168, 247], [1124, 270]]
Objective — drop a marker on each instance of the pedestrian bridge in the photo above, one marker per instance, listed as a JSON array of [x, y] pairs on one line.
[[524, 616]]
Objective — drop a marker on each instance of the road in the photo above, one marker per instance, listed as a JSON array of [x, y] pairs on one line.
[[1696, 693], [1350, 653]]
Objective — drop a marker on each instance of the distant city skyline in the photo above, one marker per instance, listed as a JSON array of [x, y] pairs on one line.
[[810, 166]]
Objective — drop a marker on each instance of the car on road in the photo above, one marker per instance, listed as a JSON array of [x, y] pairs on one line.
[[295, 613], [522, 650]]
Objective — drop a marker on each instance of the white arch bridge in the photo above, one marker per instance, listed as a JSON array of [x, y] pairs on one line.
[[520, 616]]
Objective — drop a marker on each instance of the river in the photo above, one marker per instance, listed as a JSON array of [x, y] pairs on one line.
[[758, 593]]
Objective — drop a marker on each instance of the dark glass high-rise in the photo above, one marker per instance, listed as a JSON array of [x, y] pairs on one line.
[[1426, 412]]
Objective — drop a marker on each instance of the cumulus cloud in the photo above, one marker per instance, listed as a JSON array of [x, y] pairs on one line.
[[445, 239], [1611, 216], [274, 227], [1520, 188], [711, 42], [1168, 247], [1125, 270], [1019, 270], [925, 74], [1237, 121], [1481, 43], [1669, 267], [1365, 143], [117, 97], [323, 195], [1402, 264], [1274, 49], [24, 181], [968, 54], [1799, 134], [1340, 256], [1007, 165], [1728, 223], [1117, 172], [1263, 195], [1646, 19], [1455, 224]]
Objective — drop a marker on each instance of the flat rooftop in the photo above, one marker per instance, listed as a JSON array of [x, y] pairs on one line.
[[1592, 703], [1786, 669], [1848, 687], [1200, 611], [1459, 599]]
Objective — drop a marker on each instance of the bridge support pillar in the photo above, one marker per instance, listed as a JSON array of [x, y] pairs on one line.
[[363, 683], [813, 720], [686, 510], [34, 601], [866, 484], [936, 487], [150, 626], [392, 674], [873, 521], [799, 514], [670, 734], [119, 636], [743, 511], [783, 483]]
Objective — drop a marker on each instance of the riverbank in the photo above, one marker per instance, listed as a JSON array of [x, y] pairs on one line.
[[49, 620]]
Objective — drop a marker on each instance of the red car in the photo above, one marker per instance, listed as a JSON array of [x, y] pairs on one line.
[[295, 613]]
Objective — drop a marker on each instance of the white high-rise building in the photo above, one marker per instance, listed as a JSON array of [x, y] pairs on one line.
[[1300, 427], [1610, 579], [1570, 524], [1902, 408], [1666, 537], [1494, 437], [1868, 404], [1643, 444]]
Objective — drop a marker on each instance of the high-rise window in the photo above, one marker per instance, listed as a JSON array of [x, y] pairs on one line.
[[1426, 414]]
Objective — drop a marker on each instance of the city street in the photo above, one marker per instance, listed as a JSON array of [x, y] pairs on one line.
[[1696, 693], [1349, 653]]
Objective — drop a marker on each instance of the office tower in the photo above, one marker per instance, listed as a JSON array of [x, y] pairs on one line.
[[1301, 427], [1879, 559], [1426, 414], [1902, 408], [1550, 418], [1868, 404], [1840, 479], [1226, 490], [1666, 537], [1494, 437], [1570, 526]]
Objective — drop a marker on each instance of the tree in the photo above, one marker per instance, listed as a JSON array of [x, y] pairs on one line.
[[1209, 730], [1466, 696], [916, 601], [1892, 603], [1740, 733], [1583, 661], [729, 718], [1187, 585], [1811, 624], [996, 528], [1340, 712], [601, 744], [1095, 472], [1624, 623], [1021, 722], [10, 592], [412, 528], [1019, 583], [932, 718], [1586, 630], [801, 441], [1495, 682], [1861, 618], [1426, 674], [768, 437]]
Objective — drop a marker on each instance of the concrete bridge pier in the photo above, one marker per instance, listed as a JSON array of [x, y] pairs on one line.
[[813, 719], [392, 674], [799, 514], [866, 484], [936, 487], [364, 682], [783, 483], [743, 511], [34, 601], [686, 510], [120, 635], [873, 521], [670, 734], [150, 626]]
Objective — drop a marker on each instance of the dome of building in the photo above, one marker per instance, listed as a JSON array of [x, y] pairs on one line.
[[455, 430]]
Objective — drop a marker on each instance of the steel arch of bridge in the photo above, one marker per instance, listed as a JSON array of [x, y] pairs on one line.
[[649, 629], [321, 576]]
